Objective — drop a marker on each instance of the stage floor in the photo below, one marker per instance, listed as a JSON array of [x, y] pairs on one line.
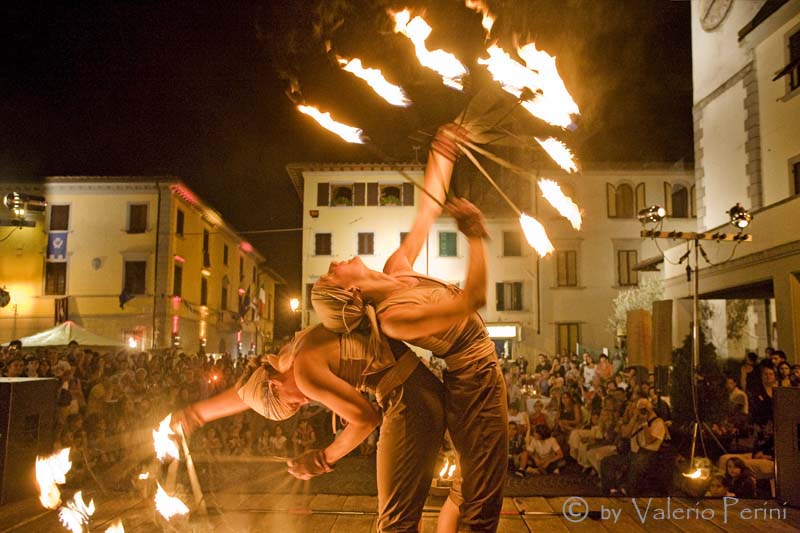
[[311, 513]]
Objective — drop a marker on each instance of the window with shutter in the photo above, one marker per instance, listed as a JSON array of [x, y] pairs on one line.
[[177, 279], [55, 280], [679, 201], [372, 194], [359, 193], [509, 296], [626, 260], [567, 338], [59, 218], [366, 243], [448, 244], [611, 201], [512, 244], [322, 244], [641, 198], [323, 194], [408, 194], [137, 218], [566, 268], [135, 277]]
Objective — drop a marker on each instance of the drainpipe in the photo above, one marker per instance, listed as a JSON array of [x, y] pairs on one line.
[[154, 343]]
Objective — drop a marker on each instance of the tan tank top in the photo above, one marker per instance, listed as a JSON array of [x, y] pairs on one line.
[[460, 344]]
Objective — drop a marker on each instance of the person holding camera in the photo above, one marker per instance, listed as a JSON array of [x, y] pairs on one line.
[[644, 433]]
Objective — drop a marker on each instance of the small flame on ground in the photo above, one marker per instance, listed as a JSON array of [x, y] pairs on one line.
[[347, 133], [443, 471], [561, 202], [550, 100], [144, 475], [165, 446], [443, 63], [116, 527], [559, 152], [169, 506], [488, 20], [374, 78], [451, 470], [694, 475], [75, 514], [50, 472], [535, 235]]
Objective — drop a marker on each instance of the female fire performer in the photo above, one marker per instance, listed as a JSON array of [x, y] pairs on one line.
[[439, 317]]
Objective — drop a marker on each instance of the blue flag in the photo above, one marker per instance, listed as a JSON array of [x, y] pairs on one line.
[[57, 245]]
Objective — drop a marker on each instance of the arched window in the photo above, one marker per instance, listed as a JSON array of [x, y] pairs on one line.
[[680, 201], [390, 195], [342, 195], [623, 201]]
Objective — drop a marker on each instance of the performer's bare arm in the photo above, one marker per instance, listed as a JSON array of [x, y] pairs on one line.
[[407, 322], [224, 404], [316, 380], [438, 172]]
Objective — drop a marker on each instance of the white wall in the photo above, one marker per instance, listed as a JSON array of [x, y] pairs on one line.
[[724, 157], [716, 55], [779, 114]]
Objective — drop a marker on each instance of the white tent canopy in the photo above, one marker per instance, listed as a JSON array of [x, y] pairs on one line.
[[63, 334]]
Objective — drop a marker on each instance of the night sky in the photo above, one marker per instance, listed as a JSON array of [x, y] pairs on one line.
[[197, 90]]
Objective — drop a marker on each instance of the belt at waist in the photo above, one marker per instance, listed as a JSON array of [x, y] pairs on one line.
[[396, 375]]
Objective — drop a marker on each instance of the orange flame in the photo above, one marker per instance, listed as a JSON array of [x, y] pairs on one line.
[[116, 527], [451, 470], [50, 472], [550, 100], [75, 514], [165, 446], [488, 20], [443, 471], [443, 63], [559, 152], [144, 475], [374, 78], [561, 202], [347, 133], [169, 506], [536, 235]]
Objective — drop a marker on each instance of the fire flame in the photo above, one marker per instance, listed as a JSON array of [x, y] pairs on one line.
[[50, 472], [116, 527], [144, 475], [169, 506], [561, 202], [451, 470], [488, 20], [443, 471], [535, 235], [443, 63], [695, 474], [550, 100], [559, 152], [75, 514], [164, 445], [347, 133], [374, 78]]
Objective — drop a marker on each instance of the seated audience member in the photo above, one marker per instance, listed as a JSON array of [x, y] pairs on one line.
[[784, 374], [15, 366], [542, 453], [795, 375], [717, 488], [542, 364], [514, 415], [31, 366], [739, 479], [304, 437], [544, 383], [537, 416], [516, 445], [645, 432], [278, 443], [604, 368]]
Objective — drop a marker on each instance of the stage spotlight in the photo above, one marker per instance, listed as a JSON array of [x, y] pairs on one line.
[[654, 213], [740, 217]]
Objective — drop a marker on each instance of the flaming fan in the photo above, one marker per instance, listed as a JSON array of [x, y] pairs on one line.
[[528, 74]]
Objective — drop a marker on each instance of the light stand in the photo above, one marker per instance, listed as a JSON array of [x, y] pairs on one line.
[[698, 426]]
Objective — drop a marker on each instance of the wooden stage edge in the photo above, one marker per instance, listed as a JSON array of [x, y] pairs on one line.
[[352, 514]]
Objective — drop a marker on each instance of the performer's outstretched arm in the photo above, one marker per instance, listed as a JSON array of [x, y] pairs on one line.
[[226, 403], [407, 322], [438, 172]]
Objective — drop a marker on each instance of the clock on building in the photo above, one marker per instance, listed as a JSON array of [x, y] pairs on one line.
[[713, 12]]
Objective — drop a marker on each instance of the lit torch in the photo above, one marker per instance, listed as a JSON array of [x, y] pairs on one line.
[[347, 133], [50, 472], [374, 78], [536, 235], [488, 20], [559, 152], [443, 63], [549, 99], [561, 202], [75, 514], [169, 506], [165, 445]]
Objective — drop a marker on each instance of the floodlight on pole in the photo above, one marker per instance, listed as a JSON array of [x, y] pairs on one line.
[[652, 214], [740, 217]]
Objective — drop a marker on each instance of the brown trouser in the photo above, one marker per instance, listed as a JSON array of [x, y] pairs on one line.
[[411, 435], [477, 419]]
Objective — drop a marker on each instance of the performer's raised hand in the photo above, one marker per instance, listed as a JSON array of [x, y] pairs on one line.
[[188, 418], [309, 464], [469, 218]]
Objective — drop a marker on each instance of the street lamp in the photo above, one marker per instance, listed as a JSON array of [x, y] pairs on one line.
[[739, 218]]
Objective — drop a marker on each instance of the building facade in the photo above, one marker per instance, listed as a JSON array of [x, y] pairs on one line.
[[138, 259], [746, 69], [534, 304]]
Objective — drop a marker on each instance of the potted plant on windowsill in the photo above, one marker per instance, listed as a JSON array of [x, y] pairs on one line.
[[342, 200], [390, 200]]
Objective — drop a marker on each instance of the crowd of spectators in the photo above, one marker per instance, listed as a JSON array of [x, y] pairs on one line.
[[570, 413]]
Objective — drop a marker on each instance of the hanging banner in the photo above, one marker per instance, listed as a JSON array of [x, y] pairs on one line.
[[57, 245]]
